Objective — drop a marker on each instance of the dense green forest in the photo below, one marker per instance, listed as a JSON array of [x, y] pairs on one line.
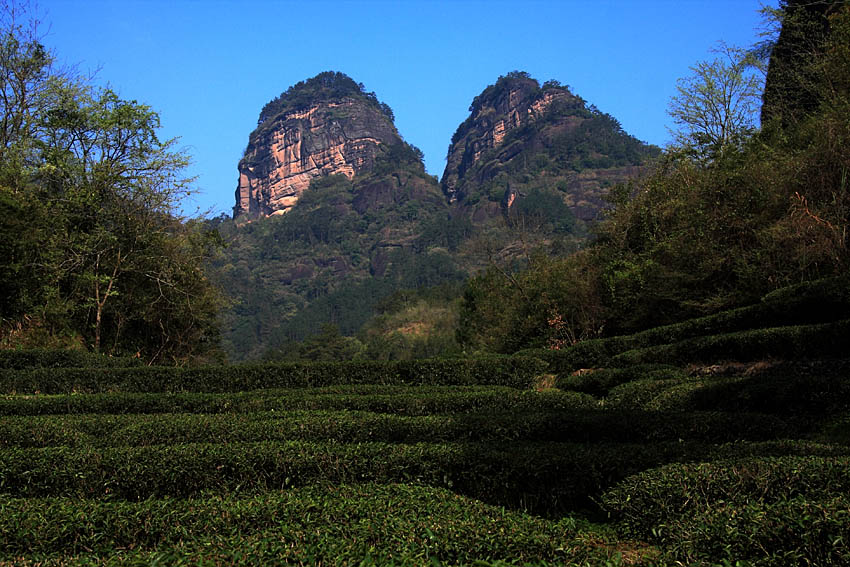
[[349, 246], [94, 254], [332, 258]]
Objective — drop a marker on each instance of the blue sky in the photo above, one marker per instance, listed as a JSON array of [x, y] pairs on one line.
[[208, 67]]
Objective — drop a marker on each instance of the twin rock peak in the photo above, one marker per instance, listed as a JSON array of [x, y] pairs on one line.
[[519, 135]]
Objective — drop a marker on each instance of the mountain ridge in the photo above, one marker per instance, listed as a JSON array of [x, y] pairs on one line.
[[353, 216]]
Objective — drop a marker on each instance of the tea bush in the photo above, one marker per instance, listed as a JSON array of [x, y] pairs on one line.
[[325, 524], [797, 342], [28, 359], [420, 400], [545, 478], [796, 531], [672, 493], [809, 305], [517, 372], [581, 426], [599, 382]]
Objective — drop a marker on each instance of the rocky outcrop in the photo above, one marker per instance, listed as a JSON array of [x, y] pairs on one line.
[[512, 103], [521, 136], [316, 138], [789, 90]]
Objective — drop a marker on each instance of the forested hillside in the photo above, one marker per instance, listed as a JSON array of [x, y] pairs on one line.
[[345, 219], [93, 253], [533, 146], [731, 213]]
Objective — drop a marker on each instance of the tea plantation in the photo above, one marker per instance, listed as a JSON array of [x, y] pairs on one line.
[[696, 444]]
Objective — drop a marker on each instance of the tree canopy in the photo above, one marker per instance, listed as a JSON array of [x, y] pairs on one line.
[[95, 253], [326, 86]]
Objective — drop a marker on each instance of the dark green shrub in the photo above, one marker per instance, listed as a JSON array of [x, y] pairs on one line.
[[670, 494], [518, 372], [836, 430], [638, 394], [51, 358], [797, 531], [572, 425], [792, 317], [743, 450], [402, 400], [544, 478], [323, 523], [593, 353], [795, 394], [599, 382], [807, 303], [799, 342]]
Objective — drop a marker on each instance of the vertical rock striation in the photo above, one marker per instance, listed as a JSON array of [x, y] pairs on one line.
[[320, 127], [512, 103], [522, 137]]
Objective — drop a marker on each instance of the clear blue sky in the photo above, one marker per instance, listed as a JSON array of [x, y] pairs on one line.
[[208, 67]]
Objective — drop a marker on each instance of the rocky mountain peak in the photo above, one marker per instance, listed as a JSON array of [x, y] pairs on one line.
[[514, 101], [326, 125], [523, 138]]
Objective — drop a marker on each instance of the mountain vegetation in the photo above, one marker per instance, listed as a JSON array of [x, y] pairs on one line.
[[524, 139], [344, 246], [326, 86], [677, 391], [351, 241], [715, 226]]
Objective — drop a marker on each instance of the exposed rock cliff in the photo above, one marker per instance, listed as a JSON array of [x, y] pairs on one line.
[[788, 91], [363, 218], [521, 137], [324, 126]]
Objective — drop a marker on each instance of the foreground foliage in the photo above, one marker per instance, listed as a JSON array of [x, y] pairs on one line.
[[94, 254], [385, 474]]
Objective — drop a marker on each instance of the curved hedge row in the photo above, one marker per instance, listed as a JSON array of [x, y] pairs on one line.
[[664, 496], [516, 372], [572, 425], [599, 382], [798, 531], [420, 400], [783, 395], [403, 522], [544, 478], [796, 342], [540, 477], [800, 306], [790, 510], [51, 358]]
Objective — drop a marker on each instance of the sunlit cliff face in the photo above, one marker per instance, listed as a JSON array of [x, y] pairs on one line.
[[325, 139], [491, 122]]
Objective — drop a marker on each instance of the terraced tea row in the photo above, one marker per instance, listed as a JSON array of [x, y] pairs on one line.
[[790, 510], [327, 525], [546, 478], [572, 425], [513, 371], [420, 400]]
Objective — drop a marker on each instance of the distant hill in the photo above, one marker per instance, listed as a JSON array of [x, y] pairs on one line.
[[334, 210]]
